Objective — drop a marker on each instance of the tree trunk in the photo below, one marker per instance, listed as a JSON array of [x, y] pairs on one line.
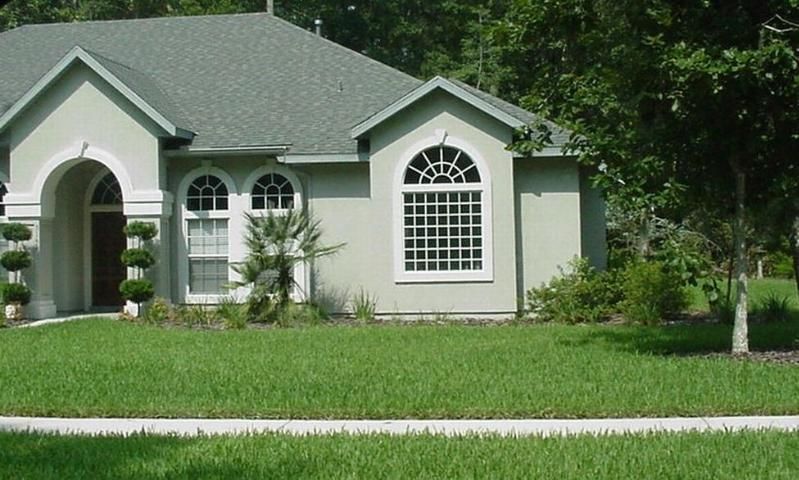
[[740, 334], [795, 251]]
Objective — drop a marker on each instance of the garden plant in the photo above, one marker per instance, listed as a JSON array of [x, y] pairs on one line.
[[16, 293], [138, 289]]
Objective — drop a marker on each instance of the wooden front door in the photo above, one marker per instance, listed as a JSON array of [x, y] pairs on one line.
[[108, 242]]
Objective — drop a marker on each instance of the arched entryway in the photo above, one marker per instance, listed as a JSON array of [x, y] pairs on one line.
[[88, 239]]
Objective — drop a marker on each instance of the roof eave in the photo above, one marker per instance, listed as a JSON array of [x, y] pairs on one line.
[[75, 54], [420, 92]]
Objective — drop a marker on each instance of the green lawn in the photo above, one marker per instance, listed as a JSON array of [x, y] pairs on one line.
[[679, 456], [111, 368], [758, 289]]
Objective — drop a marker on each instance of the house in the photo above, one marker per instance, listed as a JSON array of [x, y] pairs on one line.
[[190, 122]]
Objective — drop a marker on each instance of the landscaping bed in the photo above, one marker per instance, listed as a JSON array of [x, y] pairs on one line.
[[686, 455], [112, 368]]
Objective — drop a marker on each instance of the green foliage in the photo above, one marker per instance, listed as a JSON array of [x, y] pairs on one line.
[[196, 315], [158, 312], [302, 315], [17, 232], [363, 306], [16, 260], [579, 295], [137, 290], [142, 230], [137, 257], [773, 308], [233, 313], [651, 293], [276, 244], [781, 265], [16, 293]]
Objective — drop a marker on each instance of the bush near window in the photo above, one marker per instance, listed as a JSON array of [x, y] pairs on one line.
[[15, 260], [138, 289], [579, 295], [651, 293], [137, 257], [643, 292]]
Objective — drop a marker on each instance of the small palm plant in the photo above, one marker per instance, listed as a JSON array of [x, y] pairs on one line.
[[276, 244]]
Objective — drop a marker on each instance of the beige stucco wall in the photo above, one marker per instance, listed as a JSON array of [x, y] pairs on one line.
[[81, 107], [547, 197]]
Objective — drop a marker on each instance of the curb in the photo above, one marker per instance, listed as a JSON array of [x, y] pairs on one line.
[[516, 428]]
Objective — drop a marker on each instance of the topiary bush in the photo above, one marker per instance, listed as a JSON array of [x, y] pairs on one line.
[[138, 258], [16, 260], [17, 232], [16, 293], [137, 290], [145, 231], [579, 295], [651, 293]]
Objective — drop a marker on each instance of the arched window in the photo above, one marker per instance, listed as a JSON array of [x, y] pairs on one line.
[[207, 192], [272, 191], [107, 191], [443, 216], [207, 235]]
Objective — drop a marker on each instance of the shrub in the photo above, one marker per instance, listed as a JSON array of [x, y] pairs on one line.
[[16, 293], [197, 315], [773, 308], [16, 260], [159, 312], [137, 290], [580, 294], [17, 232], [723, 310], [651, 292], [137, 257], [143, 230], [782, 265], [301, 314], [364, 306], [233, 313]]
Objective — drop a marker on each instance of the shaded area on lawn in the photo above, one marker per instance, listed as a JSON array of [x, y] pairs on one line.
[[686, 455], [691, 339]]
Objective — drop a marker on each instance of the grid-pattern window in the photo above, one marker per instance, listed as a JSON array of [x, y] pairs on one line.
[[442, 213], [107, 192], [443, 231], [207, 193], [272, 192], [208, 255]]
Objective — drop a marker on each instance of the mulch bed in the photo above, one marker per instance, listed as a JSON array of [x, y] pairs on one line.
[[784, 357]]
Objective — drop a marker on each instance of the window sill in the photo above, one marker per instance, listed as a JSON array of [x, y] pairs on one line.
[[444, 277]]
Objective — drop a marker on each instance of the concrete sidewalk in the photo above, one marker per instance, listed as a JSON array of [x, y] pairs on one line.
[[192, 427]]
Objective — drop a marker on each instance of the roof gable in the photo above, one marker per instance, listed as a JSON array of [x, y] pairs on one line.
[[134, 86]]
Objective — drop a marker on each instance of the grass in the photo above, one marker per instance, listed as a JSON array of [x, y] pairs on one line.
[[678, 456], [758, 290], [111, 368]]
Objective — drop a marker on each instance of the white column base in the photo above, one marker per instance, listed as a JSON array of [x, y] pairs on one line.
[[39, 309]]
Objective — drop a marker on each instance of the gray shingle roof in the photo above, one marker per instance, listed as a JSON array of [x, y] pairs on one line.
[[559, 135], [234, 80]]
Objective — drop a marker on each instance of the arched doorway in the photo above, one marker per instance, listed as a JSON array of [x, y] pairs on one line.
[[88, 239]]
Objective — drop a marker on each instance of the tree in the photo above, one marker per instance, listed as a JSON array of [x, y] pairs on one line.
[[681, 104], [276, 244]]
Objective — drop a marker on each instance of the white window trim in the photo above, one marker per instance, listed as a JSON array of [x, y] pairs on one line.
[[232, 215], [301, 276], [441, 138]]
